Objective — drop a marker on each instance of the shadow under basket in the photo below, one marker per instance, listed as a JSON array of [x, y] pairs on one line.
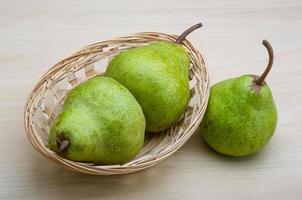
[[46, 100]]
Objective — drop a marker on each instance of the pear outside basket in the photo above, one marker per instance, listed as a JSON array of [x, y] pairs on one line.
[[47, 97]]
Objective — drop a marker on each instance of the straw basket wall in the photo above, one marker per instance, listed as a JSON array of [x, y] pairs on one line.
[[47, 97]]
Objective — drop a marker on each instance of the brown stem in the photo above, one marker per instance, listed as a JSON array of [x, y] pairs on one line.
[[62, 143], [187, 32], [260, 80]]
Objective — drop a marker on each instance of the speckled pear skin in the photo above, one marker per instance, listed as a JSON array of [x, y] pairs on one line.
[[157, 75], [239, 121], [102, 121]]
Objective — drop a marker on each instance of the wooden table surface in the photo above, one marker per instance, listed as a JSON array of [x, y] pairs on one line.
[[34, 35]]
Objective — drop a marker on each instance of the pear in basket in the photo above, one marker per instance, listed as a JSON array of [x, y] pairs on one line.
[[157, 76], [101, 122]]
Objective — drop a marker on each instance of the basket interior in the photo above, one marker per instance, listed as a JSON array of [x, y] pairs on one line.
[[48, 96]]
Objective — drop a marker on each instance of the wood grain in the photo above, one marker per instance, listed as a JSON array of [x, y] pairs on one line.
[[34, 35]]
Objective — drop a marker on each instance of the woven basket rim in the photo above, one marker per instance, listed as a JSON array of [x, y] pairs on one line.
[[111, 169]]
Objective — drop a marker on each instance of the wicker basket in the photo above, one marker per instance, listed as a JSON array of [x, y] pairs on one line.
[[46, 100]]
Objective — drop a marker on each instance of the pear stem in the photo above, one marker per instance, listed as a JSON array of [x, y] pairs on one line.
[[62, 143], [187, 32], [260, 80]]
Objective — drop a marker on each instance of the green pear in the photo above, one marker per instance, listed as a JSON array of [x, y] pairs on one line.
[[157, 76], [241, 116], [100, 122]]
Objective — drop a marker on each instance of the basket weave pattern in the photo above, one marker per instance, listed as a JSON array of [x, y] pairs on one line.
[[47, 98]]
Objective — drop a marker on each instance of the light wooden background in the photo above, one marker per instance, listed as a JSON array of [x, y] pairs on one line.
[[34, 35]]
